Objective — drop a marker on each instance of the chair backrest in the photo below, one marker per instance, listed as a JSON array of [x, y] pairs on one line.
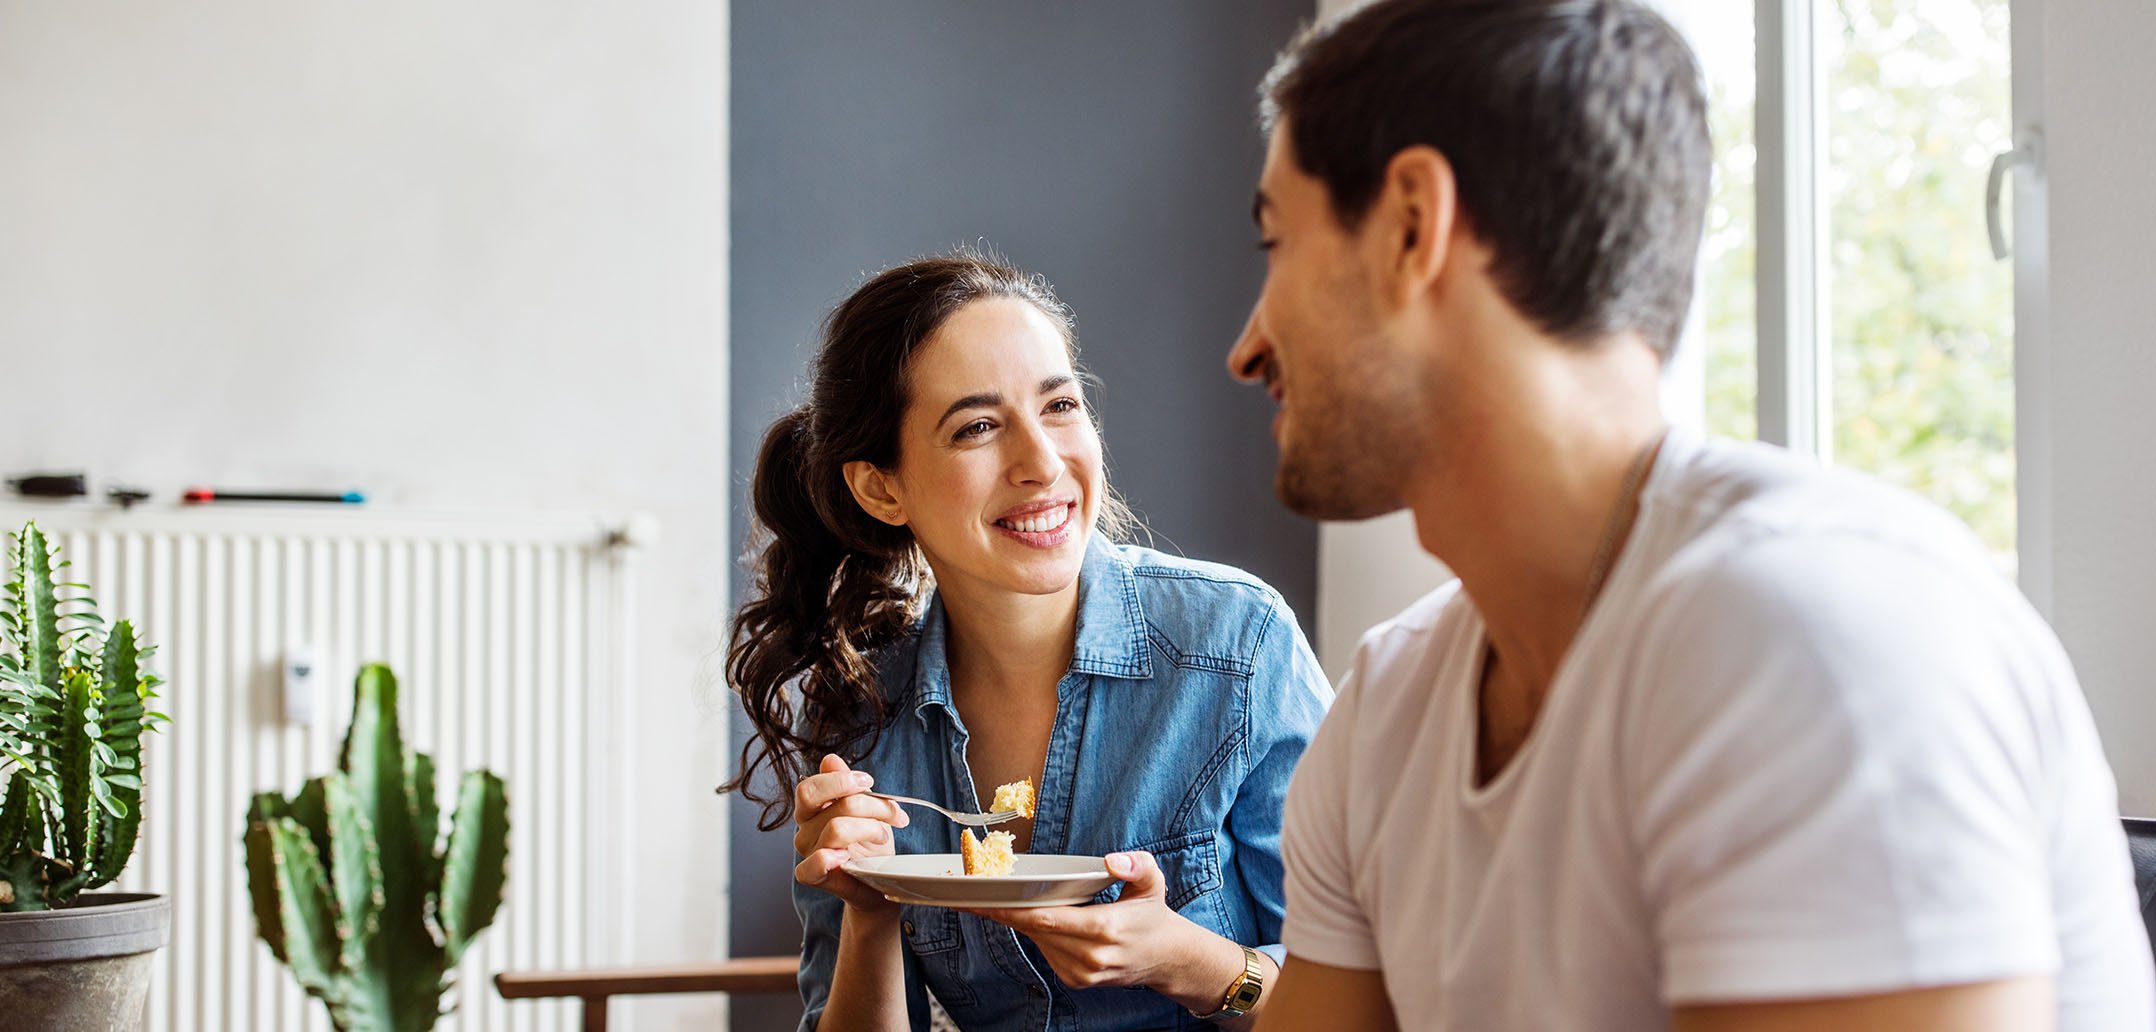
[[2141, 842]]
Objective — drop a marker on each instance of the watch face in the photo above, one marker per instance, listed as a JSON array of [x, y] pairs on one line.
[[1243, 993]]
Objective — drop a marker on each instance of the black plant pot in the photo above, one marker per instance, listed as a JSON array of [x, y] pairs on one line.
[[86, 966]]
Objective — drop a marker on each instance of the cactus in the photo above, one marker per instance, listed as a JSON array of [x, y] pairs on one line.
[[72, 716], [349, 889]]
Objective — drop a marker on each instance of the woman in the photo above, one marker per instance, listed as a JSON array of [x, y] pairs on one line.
[[935, 604]]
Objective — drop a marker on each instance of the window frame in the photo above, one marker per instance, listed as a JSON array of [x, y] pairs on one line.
[[1795, 404]]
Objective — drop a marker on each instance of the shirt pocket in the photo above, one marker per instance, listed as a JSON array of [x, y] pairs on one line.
[[932, 935], [1189, 867]]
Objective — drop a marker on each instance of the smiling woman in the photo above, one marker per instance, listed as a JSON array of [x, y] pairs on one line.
[[1006, 479], [940, 598], [844, 565]]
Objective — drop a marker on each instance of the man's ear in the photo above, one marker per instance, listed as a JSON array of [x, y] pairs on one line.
[[1411, 222], [873, 490]]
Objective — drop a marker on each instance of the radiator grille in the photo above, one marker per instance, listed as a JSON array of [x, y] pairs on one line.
[[506, 635]]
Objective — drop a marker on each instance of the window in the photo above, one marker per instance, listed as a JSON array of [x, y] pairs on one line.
[[1849, 301]]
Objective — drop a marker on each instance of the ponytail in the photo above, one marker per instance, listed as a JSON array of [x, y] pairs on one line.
[[820, 607]]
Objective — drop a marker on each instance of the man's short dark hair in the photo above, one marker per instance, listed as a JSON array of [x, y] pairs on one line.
[[1576, 129]]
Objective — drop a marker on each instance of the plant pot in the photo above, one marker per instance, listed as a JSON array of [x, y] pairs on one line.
[[86, 966]]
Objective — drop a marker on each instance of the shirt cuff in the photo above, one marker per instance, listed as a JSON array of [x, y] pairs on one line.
[[1742, 970], [1332, 950]]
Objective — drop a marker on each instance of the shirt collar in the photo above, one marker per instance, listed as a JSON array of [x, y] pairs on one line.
[[1111, 618], [1111, 629]]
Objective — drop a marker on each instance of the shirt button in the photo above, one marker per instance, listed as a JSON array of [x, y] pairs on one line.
[[906, 926]]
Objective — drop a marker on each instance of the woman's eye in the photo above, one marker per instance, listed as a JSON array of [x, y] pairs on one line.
[[1064, 405], [974, 429]]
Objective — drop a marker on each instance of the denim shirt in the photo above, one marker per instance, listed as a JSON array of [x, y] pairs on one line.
[[1189, 698]]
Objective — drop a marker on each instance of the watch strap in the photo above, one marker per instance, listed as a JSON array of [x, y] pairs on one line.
[[1242, 994]]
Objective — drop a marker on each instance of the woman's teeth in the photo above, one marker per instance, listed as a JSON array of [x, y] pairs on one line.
[[1040, 522]]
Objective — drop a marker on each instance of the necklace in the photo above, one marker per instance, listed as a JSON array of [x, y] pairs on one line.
[[1613, 533]]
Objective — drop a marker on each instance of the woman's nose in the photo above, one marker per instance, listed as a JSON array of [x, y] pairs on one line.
[[1038, 460]]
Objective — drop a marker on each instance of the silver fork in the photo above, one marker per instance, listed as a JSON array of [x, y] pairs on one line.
[[978, 820]]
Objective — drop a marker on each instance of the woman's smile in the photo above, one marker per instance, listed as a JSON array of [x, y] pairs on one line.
[[1040, 524]]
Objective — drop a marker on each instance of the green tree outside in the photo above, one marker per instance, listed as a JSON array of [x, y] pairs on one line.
[[1921, 316]]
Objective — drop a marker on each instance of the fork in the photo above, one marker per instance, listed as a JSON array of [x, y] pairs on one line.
[[978, 820]]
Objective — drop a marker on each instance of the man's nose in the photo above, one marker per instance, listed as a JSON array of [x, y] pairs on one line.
[[1246, 360]]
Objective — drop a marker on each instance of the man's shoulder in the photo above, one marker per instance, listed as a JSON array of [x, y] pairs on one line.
[[1762, 489], [1748, 518], [1420, 620], [1771, 562], [1396, 655]]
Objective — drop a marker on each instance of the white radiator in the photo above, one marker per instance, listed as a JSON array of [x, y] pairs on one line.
[[507, 636]]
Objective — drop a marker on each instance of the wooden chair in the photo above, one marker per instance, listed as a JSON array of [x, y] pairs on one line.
[[595, 986]]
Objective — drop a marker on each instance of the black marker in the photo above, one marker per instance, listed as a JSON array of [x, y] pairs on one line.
[[204, 494]]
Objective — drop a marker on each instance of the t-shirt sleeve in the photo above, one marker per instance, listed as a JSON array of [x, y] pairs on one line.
[[1838, 777], [1325, 922]]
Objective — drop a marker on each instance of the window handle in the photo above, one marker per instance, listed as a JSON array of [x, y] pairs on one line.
[[2024, 153]]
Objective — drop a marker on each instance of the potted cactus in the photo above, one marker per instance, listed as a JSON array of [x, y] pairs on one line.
[[72, 715], [350, 890]]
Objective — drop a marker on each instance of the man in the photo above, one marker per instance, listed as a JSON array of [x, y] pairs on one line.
[[1706, 737]]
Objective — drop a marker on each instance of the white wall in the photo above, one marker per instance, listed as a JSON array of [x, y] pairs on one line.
[[2102, 360], [1367, 573], [465, 255]]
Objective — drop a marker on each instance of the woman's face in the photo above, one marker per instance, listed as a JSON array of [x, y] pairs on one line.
[[999, 470]]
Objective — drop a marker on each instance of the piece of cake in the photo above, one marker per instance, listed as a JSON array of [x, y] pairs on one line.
[[992, 855], [1018, 795]]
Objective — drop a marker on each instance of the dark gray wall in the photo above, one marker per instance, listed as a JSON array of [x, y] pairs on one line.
[[1108, 145]]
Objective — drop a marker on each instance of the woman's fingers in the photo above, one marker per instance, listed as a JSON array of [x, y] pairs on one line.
[[827, 786], [858, 808], [849, 832], [815, 867], [838, 831], [825, 870]]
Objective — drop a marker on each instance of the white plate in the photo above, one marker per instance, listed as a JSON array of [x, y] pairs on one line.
[[939, 880]]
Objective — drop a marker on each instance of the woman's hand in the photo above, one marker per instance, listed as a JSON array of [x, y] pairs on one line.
[[834, 823], [1136, 940]]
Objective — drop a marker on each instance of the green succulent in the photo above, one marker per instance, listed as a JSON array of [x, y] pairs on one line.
[[350, 890], [73, 695]]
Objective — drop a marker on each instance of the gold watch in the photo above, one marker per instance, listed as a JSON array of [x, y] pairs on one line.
[[1242, 993]]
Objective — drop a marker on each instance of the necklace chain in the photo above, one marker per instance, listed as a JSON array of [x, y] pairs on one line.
[[1613, 531]]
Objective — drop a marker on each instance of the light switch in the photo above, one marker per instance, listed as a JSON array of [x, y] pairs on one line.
[[302, 676]]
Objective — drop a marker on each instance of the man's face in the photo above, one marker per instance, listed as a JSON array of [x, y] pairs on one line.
[[1347, 424]]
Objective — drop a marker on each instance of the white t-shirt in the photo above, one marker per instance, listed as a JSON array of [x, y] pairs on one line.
[[1808, 744]]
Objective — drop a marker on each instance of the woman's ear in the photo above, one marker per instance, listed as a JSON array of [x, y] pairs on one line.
[[872, 488]]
